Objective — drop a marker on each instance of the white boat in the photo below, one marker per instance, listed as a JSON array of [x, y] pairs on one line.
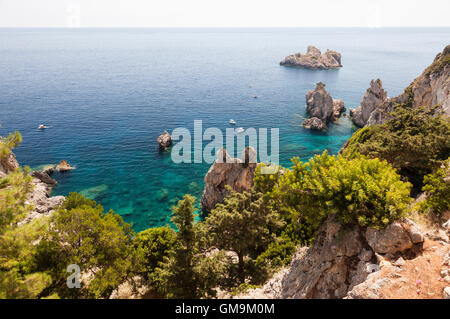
[[232, 122], [239, 130], [42, 127]]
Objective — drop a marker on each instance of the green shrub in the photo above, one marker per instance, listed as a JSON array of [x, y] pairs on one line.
[[155, 244], [437, 189], [414, 140], [367, 191]]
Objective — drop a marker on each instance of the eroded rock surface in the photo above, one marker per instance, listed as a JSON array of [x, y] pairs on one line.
[[374, 96], [432, 87], [322, 108], [314, 59], [164, 140], [237, 173]]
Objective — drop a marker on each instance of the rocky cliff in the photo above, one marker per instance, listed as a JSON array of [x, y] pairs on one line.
[[374, 96], [42, 202], [402, 261], [322, 108], [314, 59], [432, 87], [235, 172]]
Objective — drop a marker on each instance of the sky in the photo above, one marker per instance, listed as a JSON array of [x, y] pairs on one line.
[[224, 13]]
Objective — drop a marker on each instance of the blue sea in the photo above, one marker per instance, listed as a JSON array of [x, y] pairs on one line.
[[108, 93]]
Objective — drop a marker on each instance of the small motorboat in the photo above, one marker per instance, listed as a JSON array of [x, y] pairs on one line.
[[42, 127], [233, 122], [239, 130], [255, 96]]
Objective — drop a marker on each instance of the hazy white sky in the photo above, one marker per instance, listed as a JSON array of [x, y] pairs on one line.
[[217, 13]]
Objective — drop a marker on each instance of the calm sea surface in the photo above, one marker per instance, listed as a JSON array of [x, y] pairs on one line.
[[108, 93]]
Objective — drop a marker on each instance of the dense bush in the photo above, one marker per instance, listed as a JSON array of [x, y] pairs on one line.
[[245, 223], [414, 140], [437, 189], [367, 191], [155, 244], [188, 272], [99, 243]]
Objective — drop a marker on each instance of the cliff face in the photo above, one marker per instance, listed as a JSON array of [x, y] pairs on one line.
[[430, 88], [314, 59], [374, 96], [228, 171], [402, 261], [8, 164]]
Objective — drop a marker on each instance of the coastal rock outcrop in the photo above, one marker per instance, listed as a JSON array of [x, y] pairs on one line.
[[164, 140], [314, 123], [39, 197], [432, 87], [44, 177], [321, 107], [235, 172], [43, 203], [374, 96], [63, 166], [314, 59], [354, 262]]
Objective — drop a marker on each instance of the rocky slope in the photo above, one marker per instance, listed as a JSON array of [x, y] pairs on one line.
[[430, 88], [43, 204], [322, 108], [314, 59], [401, 261], [228, 171], [374, 96]]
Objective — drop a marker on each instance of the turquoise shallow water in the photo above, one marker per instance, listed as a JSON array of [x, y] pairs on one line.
[[108, 93]]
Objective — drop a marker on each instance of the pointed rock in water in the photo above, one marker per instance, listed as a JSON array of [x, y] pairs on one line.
[[165, 140], [237, 173], [63, 166], [322, 108], [314, 59], [374, 96]]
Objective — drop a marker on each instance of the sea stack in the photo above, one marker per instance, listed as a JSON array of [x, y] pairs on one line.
[[374, 96], [314, 59], [235, 172], [165, 140], [322, 108]]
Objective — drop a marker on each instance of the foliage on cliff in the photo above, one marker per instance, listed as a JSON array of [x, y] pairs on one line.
[[245, 224], [100, 243], [362, 190], [414, 140], [437, 190], [188, 272]]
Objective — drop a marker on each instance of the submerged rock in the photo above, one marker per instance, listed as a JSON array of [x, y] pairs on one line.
[[374, 96], [237, 173], [165, 140], [321, 107], [314, 59]]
